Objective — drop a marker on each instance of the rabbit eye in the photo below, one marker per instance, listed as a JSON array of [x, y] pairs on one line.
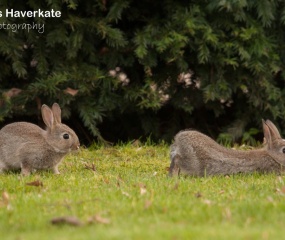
[[66, 136], [283, 150]]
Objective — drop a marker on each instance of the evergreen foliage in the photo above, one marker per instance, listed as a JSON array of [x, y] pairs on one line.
[[145, 68]]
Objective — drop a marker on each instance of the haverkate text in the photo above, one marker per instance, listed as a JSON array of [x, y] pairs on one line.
[[37, 13]]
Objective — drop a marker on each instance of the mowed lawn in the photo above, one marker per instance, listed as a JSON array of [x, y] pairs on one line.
[[124, 192]]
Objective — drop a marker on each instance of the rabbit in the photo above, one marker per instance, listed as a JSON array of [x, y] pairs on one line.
[[28, 147], [195, 154]]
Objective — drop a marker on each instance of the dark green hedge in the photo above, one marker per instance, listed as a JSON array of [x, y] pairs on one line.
[[129, 69]]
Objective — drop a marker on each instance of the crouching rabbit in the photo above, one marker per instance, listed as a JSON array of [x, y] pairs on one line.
[[195, 154]]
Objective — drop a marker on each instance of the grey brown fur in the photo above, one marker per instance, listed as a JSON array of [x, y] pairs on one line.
[[195, 154], [27, 147]]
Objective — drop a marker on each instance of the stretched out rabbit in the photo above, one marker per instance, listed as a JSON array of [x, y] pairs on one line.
[[196, 154], [27, 147]]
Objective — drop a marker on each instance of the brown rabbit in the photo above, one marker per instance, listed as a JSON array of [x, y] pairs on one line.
[[195, 154], [27, 147]]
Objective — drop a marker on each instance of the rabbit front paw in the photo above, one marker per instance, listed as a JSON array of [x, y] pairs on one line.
[[55, 170], [174, 169], [26, 169]]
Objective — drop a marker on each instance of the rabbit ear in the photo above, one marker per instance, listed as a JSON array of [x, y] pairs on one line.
[[47, 116], [273, 129], [56, 112], [267, 134]]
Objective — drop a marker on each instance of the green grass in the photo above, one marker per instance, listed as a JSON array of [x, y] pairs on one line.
[[130, 188]]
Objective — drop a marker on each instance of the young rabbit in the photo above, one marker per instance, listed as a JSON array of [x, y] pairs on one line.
[[27, 147], [195, 154]]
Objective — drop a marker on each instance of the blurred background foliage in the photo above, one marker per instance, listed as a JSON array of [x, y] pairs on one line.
[[124, 70]]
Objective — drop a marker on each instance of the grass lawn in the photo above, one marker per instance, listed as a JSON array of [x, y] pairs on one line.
[[123, 192]]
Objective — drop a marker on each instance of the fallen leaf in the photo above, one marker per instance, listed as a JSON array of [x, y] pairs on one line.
[[176, 186], [69, 220], [71, 91], [142, 189], [280, 179], [106, 180], [5, 201], [137, 143], [36, 183], [207, 201], [198, 195], [248, 221], [227, 214], [281, 190], [119, 180], [5, 198], [126, 194], [91, 167], [98, 219], [265, 235], [104, 50], [147, 204], [12, 92]]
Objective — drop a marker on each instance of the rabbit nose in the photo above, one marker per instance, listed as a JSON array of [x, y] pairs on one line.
[[76, 146]]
